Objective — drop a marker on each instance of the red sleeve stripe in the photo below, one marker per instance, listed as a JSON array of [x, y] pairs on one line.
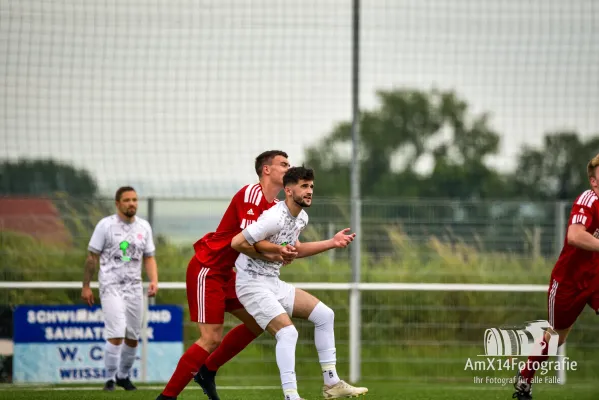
[[587, 198], [579, 219], [258, 197], [249, 192], [245, 223], [253, 194]]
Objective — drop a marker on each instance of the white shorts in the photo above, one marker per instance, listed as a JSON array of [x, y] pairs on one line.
[[123, 309], [264, 297]]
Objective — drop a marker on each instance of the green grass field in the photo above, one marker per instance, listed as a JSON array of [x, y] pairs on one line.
[[311, 390]]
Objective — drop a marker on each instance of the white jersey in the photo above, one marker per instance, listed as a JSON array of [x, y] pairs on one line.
[[276, 225], [121, 247]]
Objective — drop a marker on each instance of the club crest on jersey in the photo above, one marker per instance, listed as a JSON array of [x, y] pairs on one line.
[[124, 245]]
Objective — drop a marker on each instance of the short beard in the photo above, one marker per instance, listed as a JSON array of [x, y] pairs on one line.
[[300, 202], [130, 213]]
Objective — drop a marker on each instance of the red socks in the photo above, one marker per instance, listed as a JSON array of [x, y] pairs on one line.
[[195, 356], [234, 341], [188, 366], [528, 372]]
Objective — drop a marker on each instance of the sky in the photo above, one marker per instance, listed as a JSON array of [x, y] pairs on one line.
[[177, 98]]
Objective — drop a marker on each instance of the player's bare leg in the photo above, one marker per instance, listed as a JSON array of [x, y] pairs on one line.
[[284, 331], [191, 361], [306, 306], [522, 382], [211, 336], [234, 342], [249, 321]]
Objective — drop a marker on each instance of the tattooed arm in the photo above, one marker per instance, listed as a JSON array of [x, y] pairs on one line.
[[88, 273]]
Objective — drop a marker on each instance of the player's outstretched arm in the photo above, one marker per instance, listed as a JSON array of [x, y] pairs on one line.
[[240, 244], [88, 273], [341, 240], [579, 237], [152, 271]]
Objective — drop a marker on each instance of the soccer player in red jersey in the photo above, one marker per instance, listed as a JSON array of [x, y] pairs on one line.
[[575, 277], [211, 281]]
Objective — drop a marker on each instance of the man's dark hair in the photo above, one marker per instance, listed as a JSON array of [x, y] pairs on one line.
[[121, 190], [296, 174], [266, 159]]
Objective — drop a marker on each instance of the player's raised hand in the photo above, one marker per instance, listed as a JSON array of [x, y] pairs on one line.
[[87, 295], [343, 239]]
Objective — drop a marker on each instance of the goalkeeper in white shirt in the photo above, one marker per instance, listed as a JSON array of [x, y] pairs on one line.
[[272, 301], [120, 243]]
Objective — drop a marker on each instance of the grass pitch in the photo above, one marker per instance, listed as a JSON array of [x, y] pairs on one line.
[[311, 390]]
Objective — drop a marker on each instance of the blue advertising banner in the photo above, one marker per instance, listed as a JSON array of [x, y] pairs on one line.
[[60, 344]]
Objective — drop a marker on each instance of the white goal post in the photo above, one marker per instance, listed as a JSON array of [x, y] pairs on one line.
[[354, 312]]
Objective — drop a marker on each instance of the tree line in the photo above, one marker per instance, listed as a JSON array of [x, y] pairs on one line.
[[408, 128]]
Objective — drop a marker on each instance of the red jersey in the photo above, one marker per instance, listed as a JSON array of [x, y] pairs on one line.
[[574, 263], [214, 249]]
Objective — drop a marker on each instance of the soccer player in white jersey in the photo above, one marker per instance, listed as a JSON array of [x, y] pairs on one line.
[[120, 243], [272, 301]]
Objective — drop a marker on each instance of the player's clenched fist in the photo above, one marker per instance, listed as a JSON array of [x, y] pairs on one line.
[[288, 252]]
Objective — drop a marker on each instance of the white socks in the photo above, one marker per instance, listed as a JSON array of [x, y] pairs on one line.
[[119, 358], [285, 352], [128, 355], [112, 354], [324, 339]]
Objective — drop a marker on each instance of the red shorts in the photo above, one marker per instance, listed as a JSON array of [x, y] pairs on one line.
[[567, 299], [210, 293]]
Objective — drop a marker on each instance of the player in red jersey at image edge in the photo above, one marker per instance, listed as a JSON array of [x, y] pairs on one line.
[[210, 280], [574, 280]]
